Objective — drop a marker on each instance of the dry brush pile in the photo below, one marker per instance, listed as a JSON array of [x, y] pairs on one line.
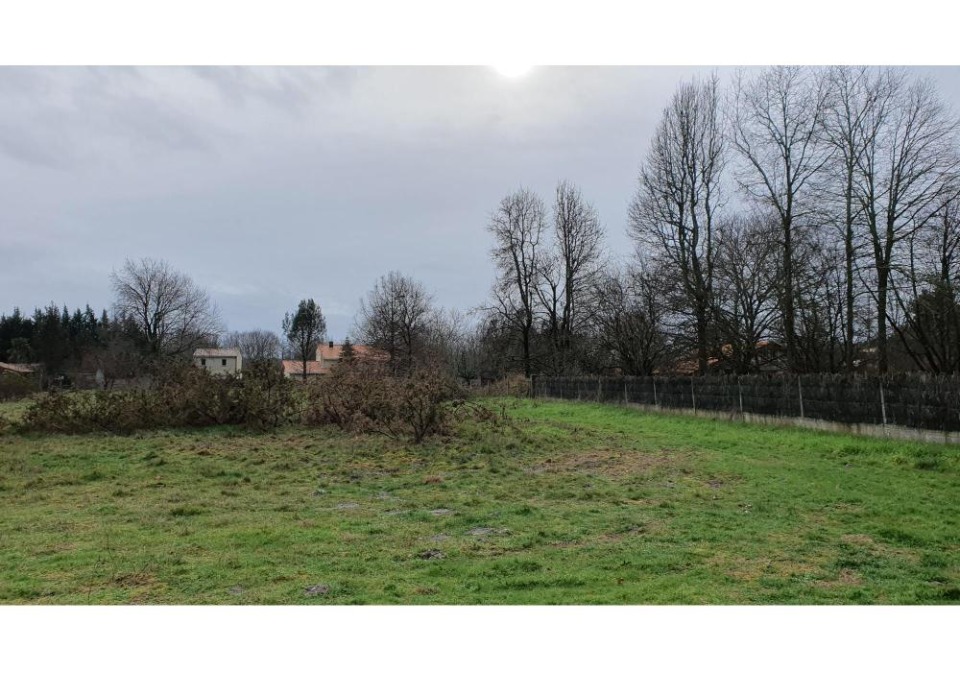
[[181, 396], [358, 398], [368, 398]]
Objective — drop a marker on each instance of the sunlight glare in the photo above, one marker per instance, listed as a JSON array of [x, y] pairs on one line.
[[513, 70]]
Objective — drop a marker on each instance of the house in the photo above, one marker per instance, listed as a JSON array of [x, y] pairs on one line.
[[768, 357], [329, 354], [294, 369], [328, 357], [219, 360]]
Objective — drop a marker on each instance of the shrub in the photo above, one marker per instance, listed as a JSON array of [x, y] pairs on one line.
[[366, 397], [515, 385], [419, 404], [268, 398], [15, 386], [180, 397], [86, 412]]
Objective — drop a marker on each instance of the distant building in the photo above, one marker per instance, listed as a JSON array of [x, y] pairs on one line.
[[23, 369], [768, 357], [219, 360], [328, 357], [294, 369], [329, 354]]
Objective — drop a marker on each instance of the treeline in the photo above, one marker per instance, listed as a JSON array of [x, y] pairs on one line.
[[63, 345], [801, 220], [159, 315], [52, 336]]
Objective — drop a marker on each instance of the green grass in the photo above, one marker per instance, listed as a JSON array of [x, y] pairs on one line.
[[573, 503], [12, 411]]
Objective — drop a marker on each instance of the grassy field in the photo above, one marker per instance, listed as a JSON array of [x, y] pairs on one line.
[[571, 503]]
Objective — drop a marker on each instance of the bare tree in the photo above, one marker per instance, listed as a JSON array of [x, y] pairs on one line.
[[395, 317], [819, 302], [776, 127], [171, 313], [468, 353], [304, 329], [904, 177], [255, 345], [852, 96], [451, 343], [117, 355], [517, 227], [674, 211], [578, 239], [746, 265], [629, 320], [928, 298]]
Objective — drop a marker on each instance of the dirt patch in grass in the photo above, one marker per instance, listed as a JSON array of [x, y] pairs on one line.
[[646, 529], [615, 463], [134, 580], [846, 577], [752, 569], [487, 531], [878, 549], [858, 539]]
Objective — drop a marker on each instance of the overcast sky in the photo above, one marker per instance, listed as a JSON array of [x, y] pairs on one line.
[[270, 185]]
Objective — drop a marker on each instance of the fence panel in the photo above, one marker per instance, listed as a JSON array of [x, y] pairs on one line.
[[911, 400]]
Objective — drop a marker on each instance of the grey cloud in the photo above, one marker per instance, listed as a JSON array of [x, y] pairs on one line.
[[30, 148], [290, 89]]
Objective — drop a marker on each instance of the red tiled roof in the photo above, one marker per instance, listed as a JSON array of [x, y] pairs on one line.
[[295, 368], [327, 352], [19, 368]]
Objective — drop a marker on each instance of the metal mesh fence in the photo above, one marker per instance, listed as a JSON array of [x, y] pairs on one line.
[[922, 401]]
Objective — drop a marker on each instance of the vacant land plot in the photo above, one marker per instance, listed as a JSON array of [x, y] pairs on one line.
[[570, 503]]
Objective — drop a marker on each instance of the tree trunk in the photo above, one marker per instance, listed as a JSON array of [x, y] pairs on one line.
[[848, 351], [702, 352], [882, 281], [788, 301]]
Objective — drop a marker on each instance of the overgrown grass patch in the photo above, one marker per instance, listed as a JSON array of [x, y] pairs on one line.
[[568, 503]]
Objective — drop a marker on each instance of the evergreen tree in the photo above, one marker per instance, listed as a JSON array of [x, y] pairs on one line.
[[304, 330], [347, 353]]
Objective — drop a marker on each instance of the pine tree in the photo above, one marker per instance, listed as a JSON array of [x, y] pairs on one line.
[[347, 353], [304, 330]]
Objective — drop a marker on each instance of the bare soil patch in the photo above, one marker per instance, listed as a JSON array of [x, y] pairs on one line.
[[616, 463]]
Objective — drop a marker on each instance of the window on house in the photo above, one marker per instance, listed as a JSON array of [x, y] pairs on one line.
[[203, 361], [224, 362]]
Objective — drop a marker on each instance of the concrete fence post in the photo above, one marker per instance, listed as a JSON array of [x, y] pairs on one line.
[[693, 395], [800, 393], [656, 402], [599, 389], [740, 396], [883, 404], [626, 398]]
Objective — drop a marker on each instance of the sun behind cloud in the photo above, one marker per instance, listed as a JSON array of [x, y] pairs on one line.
[[513, 70]]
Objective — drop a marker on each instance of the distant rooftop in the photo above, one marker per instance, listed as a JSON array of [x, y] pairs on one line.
[[331, 351], [20, 368], [295, 367]]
